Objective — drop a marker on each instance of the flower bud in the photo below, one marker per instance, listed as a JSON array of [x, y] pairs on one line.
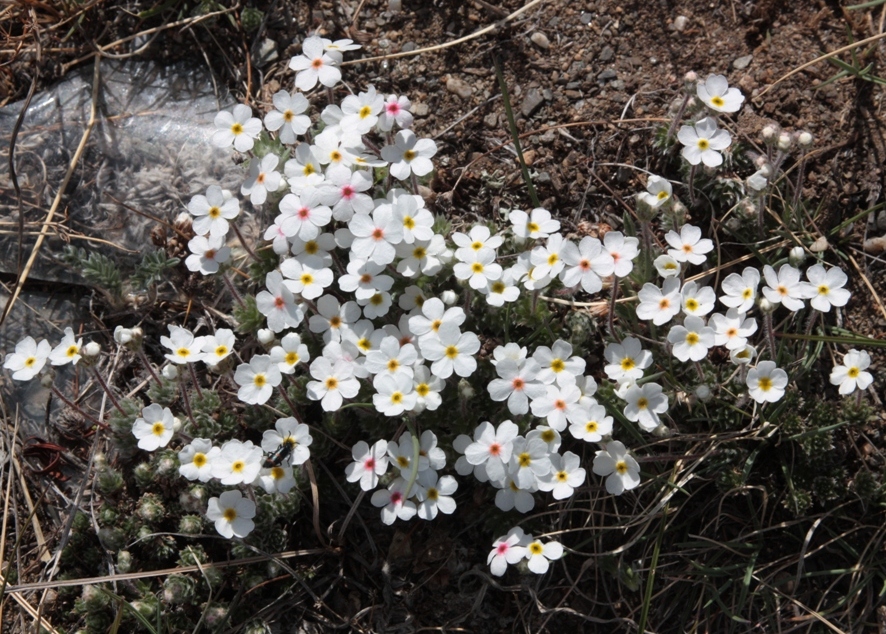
[[466, 390], [805, 139], [765, 305], [703, 393], [265, 336], [784, 141], [797, 256], [176, 424], [92, 349], [769, 134], [122, 335], [169, 372], [662, 431], [124, 561], [743, 356], [449, 297], [691, 77]]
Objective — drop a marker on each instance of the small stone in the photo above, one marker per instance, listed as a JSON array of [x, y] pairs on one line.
[[491, 120], [531, 102], [617, 85], [586, 18], [607, 75], [547, 94], [540, 40], [742, 62], [573, 85], [459, 87], [419, 109], [821, 244], [409, 46], [529, 156], [266, 53], [881, 220], [606, 54], [680, 23], [543, 178]]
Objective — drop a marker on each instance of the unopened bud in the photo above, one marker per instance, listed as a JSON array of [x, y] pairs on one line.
[[122, 335], [690, 78], [449, 297], [170, 372], [92, 349], [784, 142], [703, 393], [797, 256], [769, 134], [765, 305], [805, 139], [265, 336]]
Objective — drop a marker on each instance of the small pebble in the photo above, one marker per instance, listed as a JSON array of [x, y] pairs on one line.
[[742, 62], [420, 109], [459, 87], [680, 23], [606, 54], [540, 40]]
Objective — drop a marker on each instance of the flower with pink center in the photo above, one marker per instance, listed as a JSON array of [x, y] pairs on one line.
[[517, 384], [376, 235], [277, 303], [396, 110], [508, 549], [315, 64], [623, 251], [369, 463], [394, 503], [303, 215], [492, 447]]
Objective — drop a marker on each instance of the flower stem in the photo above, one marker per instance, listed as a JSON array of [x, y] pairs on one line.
[[107, 389], [144, 359], [194, 379], [233, 290], [77, 408], [692, 171], [770, 334], [612, 332], [673, 127], [243, 241]]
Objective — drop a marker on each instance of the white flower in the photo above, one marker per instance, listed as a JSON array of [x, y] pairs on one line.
[[622, 471], [688, 245], [540, 555], [517, 384], [743, 355], [396, 110], [559, 405], [207, 254], [703, 141], [257, 379], [644, 404], [409, 155], [213, 211], [333, 318], [667, 266], [492, 447], [697, 300], [288, 116], [596, 425], [183, 346], [508, 549], [435, 315], [421, 257], [302, 215], [451, 352], [658, 192], [392, 359], [549, 435], [303, 170], [622, 249], [692, 340], [626, 359], [510, 496], [435, 494], [394, 394], [68, 349], [334, 383], [716, 94], [825, 288], [502, 290], [851, 374], [376, 235], [315, 64], [155, 427], [479, 269], [238, 127], [195, 459], [361, 111], [232, 514], [307, 277], [659, 304], [530, 460], [534, 225], [369, 463], [740, 290], [237, 463], [290, 433], [557, 363], [766, 383], [732, 330], [28, 359], [276, 479], [784, 287], [344, 191], [566, 474], [262, 178], [216, 348], [394, 503], [427, 389], [277, 303], [479, 239], [587, 264]]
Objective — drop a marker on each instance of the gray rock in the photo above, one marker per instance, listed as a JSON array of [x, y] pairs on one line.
[[547, 94], [617, 85], [531, 102], [459, 87], [491, 120], [680, 23], [742, 62], [409, 46], [573, 85], [607, 75], [419, 109], [266, 53], [543, 178], [606, 54], [586, 18]]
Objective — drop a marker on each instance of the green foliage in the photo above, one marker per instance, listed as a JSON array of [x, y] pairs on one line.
[[251, 18], [248, 316], [152, 269], [97, 269]]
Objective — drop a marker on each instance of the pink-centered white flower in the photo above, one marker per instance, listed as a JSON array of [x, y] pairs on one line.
[[315, 64], [344, 189], [277, 303], [559, 406], [257, 379], [784, 287], [262, 178], [586, 264], [852, 374], [703, 142], [376, 235], [238, 127], [492, 447], [369, 463], [409, 155], [207, 254], [302, 216], [517, 384], [733, 329], [28, 359], [688, 245], [396, 110], [394, 503], [622, 249], [508, 549]]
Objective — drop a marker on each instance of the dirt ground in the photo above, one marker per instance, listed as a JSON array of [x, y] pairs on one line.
[[590, 81]]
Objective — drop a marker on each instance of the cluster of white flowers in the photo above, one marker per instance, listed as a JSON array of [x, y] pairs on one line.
[[365, 271]]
